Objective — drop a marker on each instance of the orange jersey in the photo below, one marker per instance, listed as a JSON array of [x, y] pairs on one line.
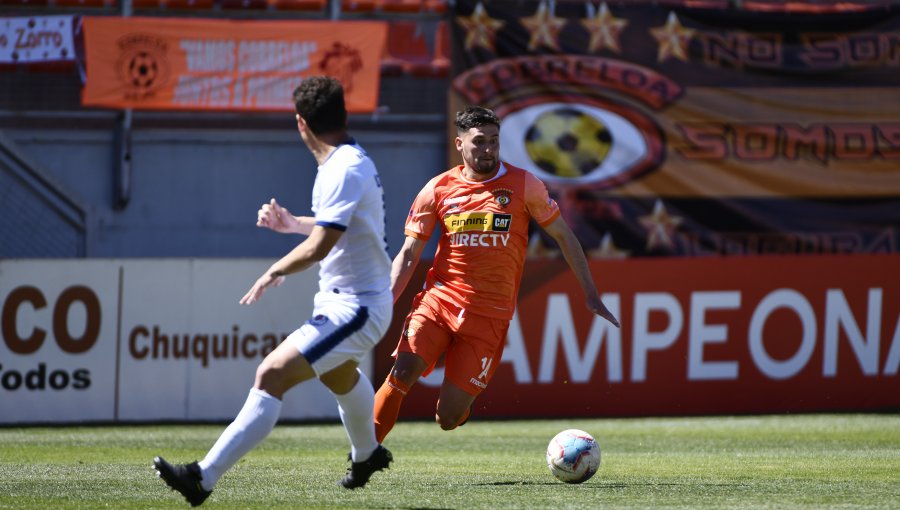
[[484, 235]]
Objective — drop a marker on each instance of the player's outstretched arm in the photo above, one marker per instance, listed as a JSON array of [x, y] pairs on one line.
[[313, 249], [275, 217], [404, 264], [574, 255]]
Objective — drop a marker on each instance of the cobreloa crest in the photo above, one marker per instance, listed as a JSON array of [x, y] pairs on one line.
[[575, 132], [502, 196]]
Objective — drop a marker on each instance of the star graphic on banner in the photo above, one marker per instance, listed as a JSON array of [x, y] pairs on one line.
[[604, 29], [608, 249], [673, 39], [660, 227], [544, 28], [480, 28]]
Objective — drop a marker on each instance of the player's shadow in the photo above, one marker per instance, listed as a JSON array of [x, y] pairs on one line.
[[519, 482], [427, 508]]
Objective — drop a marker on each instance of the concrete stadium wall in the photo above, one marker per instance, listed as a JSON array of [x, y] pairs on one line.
[[194, 192]]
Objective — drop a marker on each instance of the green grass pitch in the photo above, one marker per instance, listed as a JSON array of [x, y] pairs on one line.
[[845, 461]]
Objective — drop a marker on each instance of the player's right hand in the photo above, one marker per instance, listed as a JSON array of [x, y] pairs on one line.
[[262, 283], [595, 304], [274, 216]]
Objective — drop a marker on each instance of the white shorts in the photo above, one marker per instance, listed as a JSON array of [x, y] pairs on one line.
[[340, 330]]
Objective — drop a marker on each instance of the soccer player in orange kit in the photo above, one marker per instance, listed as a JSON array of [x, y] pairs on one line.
[[482, 208]]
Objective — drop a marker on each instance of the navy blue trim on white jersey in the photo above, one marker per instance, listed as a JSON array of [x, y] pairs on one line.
[[350, 141], [324, 345], [335, 226]]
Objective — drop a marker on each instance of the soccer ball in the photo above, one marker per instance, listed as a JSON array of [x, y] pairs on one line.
[[573, 456], [567, 142]]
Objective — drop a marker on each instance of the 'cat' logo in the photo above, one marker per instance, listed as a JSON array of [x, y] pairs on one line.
[[502, 222], [478, 222]]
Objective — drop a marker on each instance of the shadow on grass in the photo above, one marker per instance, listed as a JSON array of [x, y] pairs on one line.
[[612, 485], [591, 485], [428, 508]]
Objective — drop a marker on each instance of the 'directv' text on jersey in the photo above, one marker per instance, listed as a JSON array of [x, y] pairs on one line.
[[484, 235]]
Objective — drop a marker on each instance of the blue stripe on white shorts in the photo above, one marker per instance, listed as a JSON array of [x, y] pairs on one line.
[[325, 343], [339, 331]]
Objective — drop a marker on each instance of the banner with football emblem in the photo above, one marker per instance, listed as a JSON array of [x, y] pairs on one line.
[[688, 129], [194, 64]]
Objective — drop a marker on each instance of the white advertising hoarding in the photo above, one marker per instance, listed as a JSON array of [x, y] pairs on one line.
[[58, 354], [144, 340]]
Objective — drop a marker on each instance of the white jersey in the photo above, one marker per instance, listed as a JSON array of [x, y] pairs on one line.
[[347, 195]]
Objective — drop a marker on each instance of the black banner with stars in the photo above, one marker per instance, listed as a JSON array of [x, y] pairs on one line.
[[664, 130]]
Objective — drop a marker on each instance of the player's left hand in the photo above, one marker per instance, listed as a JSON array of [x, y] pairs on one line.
[[595, 304], [277, 218], [256, 291]]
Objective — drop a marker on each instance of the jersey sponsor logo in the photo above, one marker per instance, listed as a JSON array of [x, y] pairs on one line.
[[478, 222], [502, 222], [478, 383], [465, 222], [455, 201], [479, 239], [485, 229]]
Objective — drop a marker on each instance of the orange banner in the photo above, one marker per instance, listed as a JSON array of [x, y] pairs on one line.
[[187, 64]]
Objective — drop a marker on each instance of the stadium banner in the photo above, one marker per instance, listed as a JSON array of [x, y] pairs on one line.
[[203, 64], [144, 340], [35, 39], [699, 336], [674, 129]]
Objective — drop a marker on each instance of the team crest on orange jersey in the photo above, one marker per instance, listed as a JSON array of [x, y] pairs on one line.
[[502, 196]]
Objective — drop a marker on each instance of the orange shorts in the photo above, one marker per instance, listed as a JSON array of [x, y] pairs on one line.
[[472, 344]]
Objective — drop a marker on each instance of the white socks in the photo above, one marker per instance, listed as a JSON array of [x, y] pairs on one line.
[[259, 415], [357, 408], [255, 421]]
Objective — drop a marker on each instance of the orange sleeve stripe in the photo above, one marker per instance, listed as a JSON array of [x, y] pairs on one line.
[[550, 219], [417, 235]]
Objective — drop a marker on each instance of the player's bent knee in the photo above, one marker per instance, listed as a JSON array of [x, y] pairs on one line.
[[270, 380], [407, 377], [408, 371]]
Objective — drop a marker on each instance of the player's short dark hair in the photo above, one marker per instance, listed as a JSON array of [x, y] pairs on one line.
[[320, 101], [475, 116]]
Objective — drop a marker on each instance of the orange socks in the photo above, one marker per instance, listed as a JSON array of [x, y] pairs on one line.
[[387, 406], [465, 418]]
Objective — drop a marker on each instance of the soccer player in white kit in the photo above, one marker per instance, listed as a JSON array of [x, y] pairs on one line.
[[352, 308]]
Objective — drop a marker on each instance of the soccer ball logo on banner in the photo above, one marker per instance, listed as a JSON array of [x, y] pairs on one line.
[[142, 64], [567, 142], [570, 144], [143, 70]]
